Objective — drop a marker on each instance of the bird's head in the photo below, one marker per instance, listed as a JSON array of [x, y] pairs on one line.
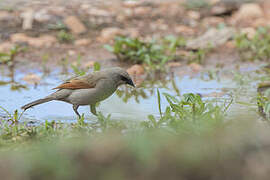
[[120, 76]]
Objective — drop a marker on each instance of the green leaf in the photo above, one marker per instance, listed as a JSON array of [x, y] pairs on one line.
[[159, 103], [97, 66], [109, 48]]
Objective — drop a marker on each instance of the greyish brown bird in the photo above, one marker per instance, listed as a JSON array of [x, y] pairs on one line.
[[88, 89]]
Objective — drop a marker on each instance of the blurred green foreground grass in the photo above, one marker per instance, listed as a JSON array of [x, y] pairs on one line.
[[192, 139]]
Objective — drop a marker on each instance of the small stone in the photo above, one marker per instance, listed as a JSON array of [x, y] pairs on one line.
[[184, 30], [135, 70], [212, 37], [99, 12], [195, 67], [194, 15], [212, 21], [28, 17], [71, 53], [121, 18], [44, 40], [250, 32], [57, 10], [6, 46], [261, 22], [42, 16], [18, 38], [142, 11], [219, 10], [132, 32], [131, 3], [82, 42], [75, 25], [85, 6], [174, 64], [213, 2], [89, 64], [230, 44], [31, 78], [4, 15], [108, 34], [249, 11]]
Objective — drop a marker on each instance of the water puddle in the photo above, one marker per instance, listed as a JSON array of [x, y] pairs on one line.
[[127, 103]]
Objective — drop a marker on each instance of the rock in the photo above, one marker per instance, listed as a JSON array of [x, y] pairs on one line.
[[224, 8], [99, 12], [6, 46], [213, 21], [194, 15], [142, 11], [75, 25], [135, 70], [184, 30], [132, 32], [250, 32], [19, 38], [174, 64], [5, 16], [108, 34], [131, 3], [57, 10], [213, 37], [72, 53], [230, 44], [42, 16], [82, 42], [261, 22], [121, 18], [266, 8], [218, 10], [195, 67], [249, 11], [42, 41], [28, 17], [31, 78], [89, 64], [85, 6]]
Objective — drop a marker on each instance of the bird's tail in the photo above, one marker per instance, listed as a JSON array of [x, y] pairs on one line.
[[34, 103]]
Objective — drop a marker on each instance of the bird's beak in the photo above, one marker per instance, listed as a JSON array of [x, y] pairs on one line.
[[130, 82]]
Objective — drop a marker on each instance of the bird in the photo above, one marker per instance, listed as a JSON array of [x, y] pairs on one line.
[[88, 89]]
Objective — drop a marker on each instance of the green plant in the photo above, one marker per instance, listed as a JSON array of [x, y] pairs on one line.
[[76, 67], [198, 56], [152, 54], [64, 37], [263, 101], [45, 59], [254, 48], [172, 43], [14, 118], [189, 115], [79, 70], [196, 4], [8, 58]]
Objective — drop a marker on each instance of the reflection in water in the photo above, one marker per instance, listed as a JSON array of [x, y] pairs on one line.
[[10, 80], [126, 104], [148, 87]]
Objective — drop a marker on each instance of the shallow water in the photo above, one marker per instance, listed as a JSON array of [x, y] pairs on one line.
[[131, 109]]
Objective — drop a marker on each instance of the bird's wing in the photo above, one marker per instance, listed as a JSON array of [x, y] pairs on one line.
[[81, 82]]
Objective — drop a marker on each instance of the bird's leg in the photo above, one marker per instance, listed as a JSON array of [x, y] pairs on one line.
[[75, 108], [93, 109]]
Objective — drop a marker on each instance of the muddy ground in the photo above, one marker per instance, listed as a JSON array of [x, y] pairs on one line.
[[25, 23]]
